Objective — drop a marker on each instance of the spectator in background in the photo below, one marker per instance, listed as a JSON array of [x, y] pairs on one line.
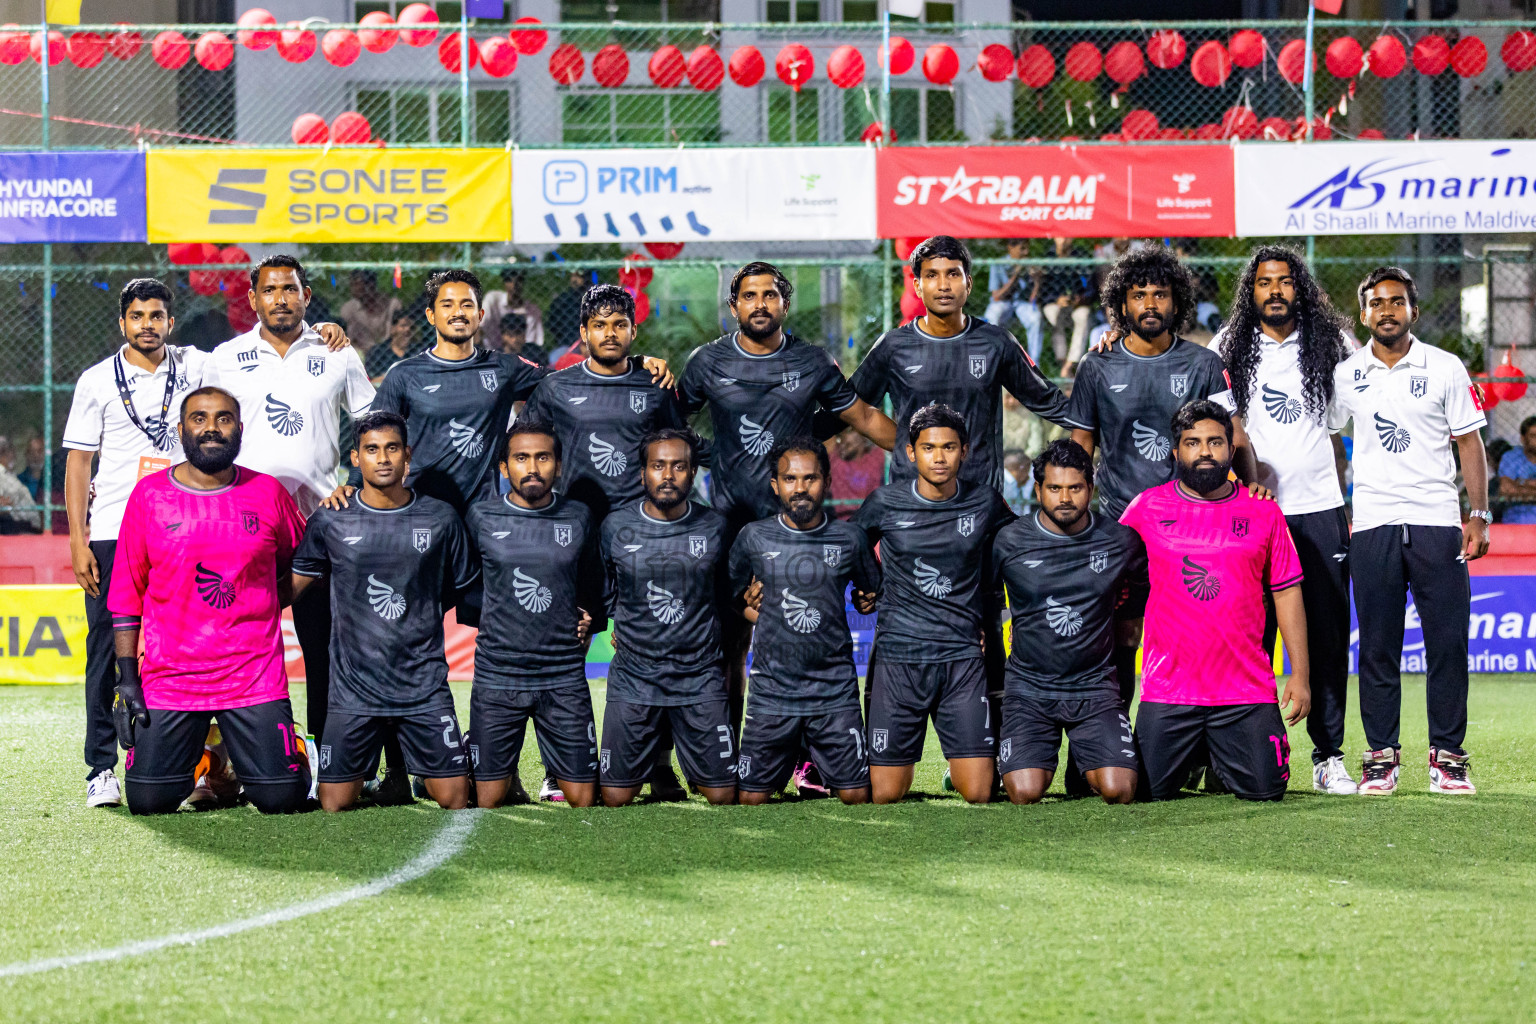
[[1069, 297], [1517, 476], [563, 324], [510, 299], [402, 343], [1017, 470], [513, 329], [858, 467], [14, 497], [1012, 291], [369, 313], [32, 476]]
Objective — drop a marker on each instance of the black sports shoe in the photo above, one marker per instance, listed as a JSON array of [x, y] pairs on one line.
[[393, 790], [665, 786]]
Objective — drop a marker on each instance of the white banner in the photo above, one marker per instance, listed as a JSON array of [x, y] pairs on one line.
[[1386, 188], [693, 195]]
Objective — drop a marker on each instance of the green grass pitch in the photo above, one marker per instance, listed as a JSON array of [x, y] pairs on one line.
[[1317, 909]]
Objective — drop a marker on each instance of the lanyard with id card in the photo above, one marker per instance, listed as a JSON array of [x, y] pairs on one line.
[[158, 430]]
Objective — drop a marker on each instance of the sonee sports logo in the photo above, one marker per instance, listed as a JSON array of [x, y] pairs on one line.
[[249, 203]]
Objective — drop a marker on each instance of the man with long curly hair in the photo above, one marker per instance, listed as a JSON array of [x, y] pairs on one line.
[[1281, 345]]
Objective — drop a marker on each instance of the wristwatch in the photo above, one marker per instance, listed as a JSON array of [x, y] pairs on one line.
[[1481, 513]]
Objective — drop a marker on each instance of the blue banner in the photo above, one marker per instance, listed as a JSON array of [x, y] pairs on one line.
[[72, 197]]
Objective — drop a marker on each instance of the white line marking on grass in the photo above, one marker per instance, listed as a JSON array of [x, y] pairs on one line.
[[444, 847]]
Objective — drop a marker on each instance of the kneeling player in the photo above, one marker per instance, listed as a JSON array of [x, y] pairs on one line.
[[804, 691], [935, 535], [1066, 570], [203, 550], [666, 581], [542, 576], [397, 560], [1207, 681]]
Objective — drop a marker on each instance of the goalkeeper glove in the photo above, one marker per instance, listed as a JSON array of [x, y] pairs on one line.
[[129, 713]]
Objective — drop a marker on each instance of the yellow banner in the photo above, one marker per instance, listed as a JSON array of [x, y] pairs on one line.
[[42, 634], [338, 195]]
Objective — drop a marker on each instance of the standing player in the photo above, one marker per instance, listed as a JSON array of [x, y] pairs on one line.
[[201, 558], [543, 597], [1281, 345], [396, 560], [124, 409], [665, 565], [1067, 570], [935, 535], [1212, 551], [1409, 401], [804, 689]]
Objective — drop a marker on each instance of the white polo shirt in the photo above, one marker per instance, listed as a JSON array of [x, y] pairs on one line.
[[99, 422], [1292, 446], [291, 407], [1405, 418]]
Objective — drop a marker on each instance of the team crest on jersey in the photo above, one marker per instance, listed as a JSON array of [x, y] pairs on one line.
[[250, 521], [697, 546], [831, 554], [978, 366], [563, 536], [744, 766], [1239, 526], [1417, 386], [422, 538], [637, 402], [1178, 383], [1005, 750], [325, 756], [791, 380], [317, 366], [488, 379], [879, 739], [967, 525], [603, 760], [1098, 561]]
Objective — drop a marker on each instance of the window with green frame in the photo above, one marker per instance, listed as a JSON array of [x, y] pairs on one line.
[[408, 116], [794, 118], [792, 11], [639, 116], [917, 115]]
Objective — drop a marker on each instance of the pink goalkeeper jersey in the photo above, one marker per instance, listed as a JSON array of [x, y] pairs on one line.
[[200, 568], [1210, 563]]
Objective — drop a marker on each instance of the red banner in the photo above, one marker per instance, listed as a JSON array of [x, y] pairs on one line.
[[1052, 191]]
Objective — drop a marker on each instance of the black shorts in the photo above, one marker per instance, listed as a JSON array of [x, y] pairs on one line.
[[901, 696], [430, 740], [1097, 727], [701, 734], [1247, 744], [265, 748], [562, 725], [771, 746]]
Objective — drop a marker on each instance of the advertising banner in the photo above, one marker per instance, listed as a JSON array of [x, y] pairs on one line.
[[1055, 191], [315, 195], [693, 195], [1386, 188], [71, 197], [42, 634]]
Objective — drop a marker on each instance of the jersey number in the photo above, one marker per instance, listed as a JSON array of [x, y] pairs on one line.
[[449, 728]]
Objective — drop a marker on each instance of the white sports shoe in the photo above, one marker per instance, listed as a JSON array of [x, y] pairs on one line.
[[551, 790], [1448, 772], [1332, 777], [1378, 773], [104, 790]]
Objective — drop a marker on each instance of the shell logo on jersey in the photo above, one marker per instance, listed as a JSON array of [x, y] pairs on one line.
[[978, 366], [1202, 584], [967, 525], [1281, 407], [791, 380], [282, 418], [422, 538], [802, 618], [1061, 618], [488, 379], [930, 582], [667, 608], [831, 554], [563, 536], [698, 546], [1178, 383], [388, 604], [637, 402], [1153, 446], [608, 459], [465, 439], [1394, 439], [216, 591], [530, 594], [754, 437], [317, 366], [1098, 561]]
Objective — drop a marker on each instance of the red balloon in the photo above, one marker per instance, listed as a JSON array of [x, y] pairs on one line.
[[448, 52], [610, 66], [1344, 57], [846, 67], [747, 67], [170, 50], [903, 247], [1519, 50], [1274, 128], [14, 45], [351, 129], [1485, 387], [214, 51], [254, 18], [237, 308], [566, 64], [1083, 62], [705, 69], [642, 306], [375, 40], [995, 62], [1431, 55], [529, 41], [297, 44], [204, 282], [1211, 65], [184, 252], [1247, 48], [902, 55], [1139, 124], [235, 282], [1208, 131], [1509, 392], [1165, 49], [1172, 134], [58, 47], [1239, 122], [341, 46], [1123, 62], [1292, 61], [940, 64], [1036, 67], [1387, 57], [875, 132], [1469, 57], [667, 67], [86, 49], [911, 303], [234, 254], [498, 56], [1321, 130], [664, 250], [1112, 137], [418, 14], [794, 65], [1370, 133], [310, 130], [635, 275]]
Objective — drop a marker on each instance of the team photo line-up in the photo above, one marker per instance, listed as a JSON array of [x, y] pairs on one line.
[[544, 506]]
